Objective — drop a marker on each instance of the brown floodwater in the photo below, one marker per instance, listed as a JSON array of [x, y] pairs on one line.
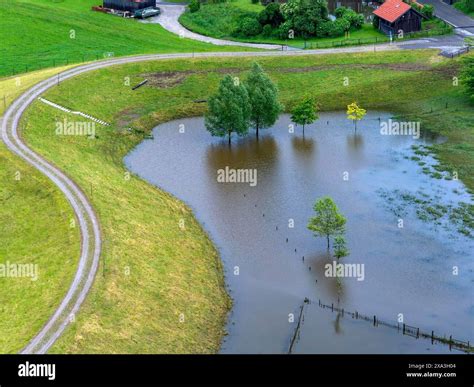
[[375, 182]]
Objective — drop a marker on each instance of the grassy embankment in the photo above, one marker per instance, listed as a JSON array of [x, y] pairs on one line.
[[43, 35], [35, 228], [463, 7], [219, 20], [154, 273]]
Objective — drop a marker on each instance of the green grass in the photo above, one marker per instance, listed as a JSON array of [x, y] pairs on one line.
[[462, 6], [174, 271], [35, 228], [221, 19], [42, 35]]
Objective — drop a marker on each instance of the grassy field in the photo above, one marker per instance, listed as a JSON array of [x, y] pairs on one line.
[[219, 20], [49, 33], [34, 229], [160, 287]]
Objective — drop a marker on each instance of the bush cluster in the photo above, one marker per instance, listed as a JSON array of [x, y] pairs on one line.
[[298, 18]]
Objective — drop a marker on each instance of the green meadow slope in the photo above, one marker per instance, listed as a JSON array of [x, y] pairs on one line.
[[46, 33]]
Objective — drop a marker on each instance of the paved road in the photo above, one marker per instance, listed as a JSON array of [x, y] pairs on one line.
[[168, 19], [452, 16], [88, 221]]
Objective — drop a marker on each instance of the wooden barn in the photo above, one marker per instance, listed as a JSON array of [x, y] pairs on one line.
[[129, 5], [395, 16]]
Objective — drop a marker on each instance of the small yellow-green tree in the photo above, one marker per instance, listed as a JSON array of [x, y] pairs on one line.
[[355, 113]]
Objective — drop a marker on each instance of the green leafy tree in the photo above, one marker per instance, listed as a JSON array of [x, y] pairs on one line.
[[328, 221], [271, 15], [229, 109], [305, 112], [355, 113], [305, 15], [194, 6], [467, 75], [263, 96], [340, 248]]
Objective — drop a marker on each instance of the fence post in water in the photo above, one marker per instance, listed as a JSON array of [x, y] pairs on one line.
[[375, 319], [432, 337], [403, 328], [450, 341], [417, 332], [332, 307], [357, 314]]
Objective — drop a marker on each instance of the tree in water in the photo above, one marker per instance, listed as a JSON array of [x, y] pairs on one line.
[[340, 248], [305, 112], [328, 221], [355, 113], [229, 109], [263, 95]]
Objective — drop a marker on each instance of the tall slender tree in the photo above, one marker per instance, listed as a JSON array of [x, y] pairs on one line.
[[263, 95], [229, 109]]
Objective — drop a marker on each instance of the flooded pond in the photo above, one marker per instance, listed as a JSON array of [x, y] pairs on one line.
[[404, 225]]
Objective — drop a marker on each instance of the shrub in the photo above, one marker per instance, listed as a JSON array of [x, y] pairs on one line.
[[339, 27], [248, 26], [340, 11], [355, 19], [194, 6], [254, 1], [427, 11], [283, 32], [271, 15], [324, 29], [267, 30], [467, 75], [305, 15]]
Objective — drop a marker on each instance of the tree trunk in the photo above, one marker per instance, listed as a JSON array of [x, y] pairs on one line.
[[327, 236], [257, 129], [230, 133], [303, 129]]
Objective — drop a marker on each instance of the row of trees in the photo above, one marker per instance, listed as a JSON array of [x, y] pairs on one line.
[[303, 18], [237, 106]]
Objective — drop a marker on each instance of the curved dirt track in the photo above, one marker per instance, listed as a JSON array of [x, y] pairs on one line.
[[87, 219]]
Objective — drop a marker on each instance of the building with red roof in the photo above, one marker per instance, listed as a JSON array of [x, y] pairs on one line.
[[397, 17]]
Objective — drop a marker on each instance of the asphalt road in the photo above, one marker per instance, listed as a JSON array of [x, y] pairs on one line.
[[88, 221]]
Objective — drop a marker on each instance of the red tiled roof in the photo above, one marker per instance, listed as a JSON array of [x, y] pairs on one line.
[[391, 10]]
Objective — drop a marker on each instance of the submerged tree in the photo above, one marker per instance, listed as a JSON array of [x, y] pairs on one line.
[[229, 109], [305, 112], [328, 221], [340, 248], [355, 113], [263, 96]]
